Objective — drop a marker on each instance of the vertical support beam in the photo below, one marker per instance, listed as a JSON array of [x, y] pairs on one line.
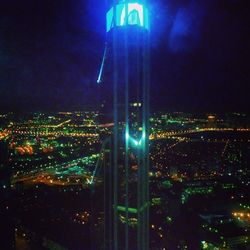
[[115, 144], [126, 129], [130, 84]]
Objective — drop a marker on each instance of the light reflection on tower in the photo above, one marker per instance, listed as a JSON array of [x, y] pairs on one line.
[[127, 55]]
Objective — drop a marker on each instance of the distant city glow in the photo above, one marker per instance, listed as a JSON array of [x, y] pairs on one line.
[[65, 152]]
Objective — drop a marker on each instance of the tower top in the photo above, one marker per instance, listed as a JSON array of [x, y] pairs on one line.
[[124, 14]]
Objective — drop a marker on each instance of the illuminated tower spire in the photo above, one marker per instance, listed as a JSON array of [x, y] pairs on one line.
[[127, 30]]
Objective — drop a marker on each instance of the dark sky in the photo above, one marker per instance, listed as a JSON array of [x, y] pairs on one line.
[[50, 53]]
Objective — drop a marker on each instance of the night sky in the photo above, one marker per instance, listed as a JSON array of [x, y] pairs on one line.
[[50, 54]]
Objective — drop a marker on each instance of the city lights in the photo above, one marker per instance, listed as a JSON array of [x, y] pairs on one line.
[[124, 125], [58, 153]]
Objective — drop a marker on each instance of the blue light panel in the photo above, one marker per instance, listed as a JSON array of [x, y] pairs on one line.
[[137, 15]]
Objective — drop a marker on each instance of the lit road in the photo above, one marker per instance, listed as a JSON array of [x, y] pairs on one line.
[[61, 133], [169, 134], [70, 173]]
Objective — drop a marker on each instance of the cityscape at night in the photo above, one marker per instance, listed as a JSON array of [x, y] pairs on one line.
[[199, 179], [124, 125]]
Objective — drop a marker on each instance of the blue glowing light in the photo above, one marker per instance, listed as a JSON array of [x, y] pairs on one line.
[[137, 14], [134, 142], [99, 80], [127, 135]]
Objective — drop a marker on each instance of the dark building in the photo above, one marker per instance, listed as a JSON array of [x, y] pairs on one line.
[[7, 233]]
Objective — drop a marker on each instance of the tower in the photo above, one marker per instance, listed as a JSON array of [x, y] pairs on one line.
[[126, 74]]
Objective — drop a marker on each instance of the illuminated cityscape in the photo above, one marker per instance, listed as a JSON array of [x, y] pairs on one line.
[[199, 179], [124, 125]]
